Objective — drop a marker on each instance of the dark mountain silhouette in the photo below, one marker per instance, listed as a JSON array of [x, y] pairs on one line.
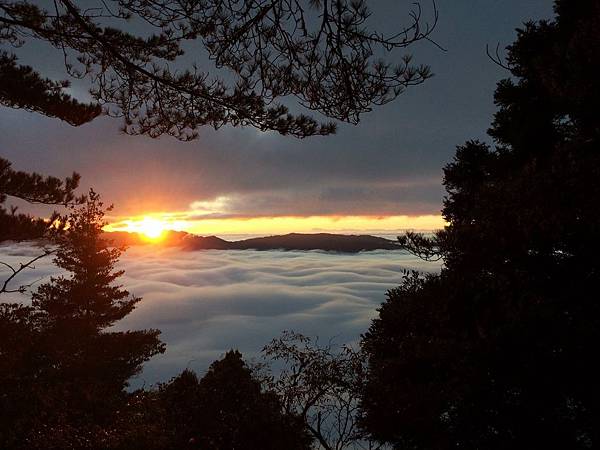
[[319, 241], [293, 241]]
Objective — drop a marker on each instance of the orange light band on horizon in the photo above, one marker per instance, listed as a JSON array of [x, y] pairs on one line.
[[152, 225]]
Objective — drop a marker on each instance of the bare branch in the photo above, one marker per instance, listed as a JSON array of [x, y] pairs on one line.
[[321, 384], [5, 289], [496, 58]]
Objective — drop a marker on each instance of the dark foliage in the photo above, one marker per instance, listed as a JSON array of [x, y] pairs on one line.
[[32, 188], [22, 87], [228, 409], [497, 350], [321, 53], [16, 226], [63, 374]]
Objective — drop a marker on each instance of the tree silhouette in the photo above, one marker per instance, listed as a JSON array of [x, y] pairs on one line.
[[88, 297], [495, 352], [22, 87], [228, 408], [32, 188], [322, 385], [322, 53], [59, 354]]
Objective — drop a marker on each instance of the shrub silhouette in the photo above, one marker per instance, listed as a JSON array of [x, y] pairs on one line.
[[228, 408]]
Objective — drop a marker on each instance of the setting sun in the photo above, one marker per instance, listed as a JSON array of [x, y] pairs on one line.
[[149, 228], [152, 229]]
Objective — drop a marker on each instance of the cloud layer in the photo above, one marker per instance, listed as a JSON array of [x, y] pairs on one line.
[[207, 302]]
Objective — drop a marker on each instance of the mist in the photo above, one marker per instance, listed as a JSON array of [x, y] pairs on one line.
[[207, 302]]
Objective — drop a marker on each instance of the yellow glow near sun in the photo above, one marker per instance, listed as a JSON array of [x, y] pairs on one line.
[[315, 224], [153, 226], [149, 228]]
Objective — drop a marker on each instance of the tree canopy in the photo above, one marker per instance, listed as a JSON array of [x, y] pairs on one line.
[[324, 54], [497, 350], [32, 188], [63, 371], [229, 408]]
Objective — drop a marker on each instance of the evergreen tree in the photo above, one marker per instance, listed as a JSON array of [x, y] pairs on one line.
[[22, 87], [35, 189], [88, 297], [497, 350], [73, 370]]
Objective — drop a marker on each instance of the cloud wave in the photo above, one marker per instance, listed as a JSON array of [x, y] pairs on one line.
[[207, 302]]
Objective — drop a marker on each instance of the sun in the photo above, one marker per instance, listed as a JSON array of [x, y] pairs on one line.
[[151, 229]]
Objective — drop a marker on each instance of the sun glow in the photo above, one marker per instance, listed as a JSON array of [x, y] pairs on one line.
[[153, 227], [149, 228]]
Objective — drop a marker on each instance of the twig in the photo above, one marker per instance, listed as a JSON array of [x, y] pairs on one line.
[[496, 58], [15, 271]]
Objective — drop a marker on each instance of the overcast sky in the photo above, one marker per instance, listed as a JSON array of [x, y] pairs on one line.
[[390, 164]]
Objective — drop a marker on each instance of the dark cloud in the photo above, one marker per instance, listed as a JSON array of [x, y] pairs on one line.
[[402, 145]]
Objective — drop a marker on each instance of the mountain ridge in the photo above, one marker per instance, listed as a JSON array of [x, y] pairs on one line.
[[343, 243]]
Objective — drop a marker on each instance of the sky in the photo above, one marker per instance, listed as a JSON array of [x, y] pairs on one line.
[[383, 175]]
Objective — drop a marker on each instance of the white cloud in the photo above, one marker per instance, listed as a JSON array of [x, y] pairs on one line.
[[208, 207], [207, 302]]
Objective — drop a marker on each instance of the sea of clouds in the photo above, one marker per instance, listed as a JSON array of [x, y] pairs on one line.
[[207, 302]]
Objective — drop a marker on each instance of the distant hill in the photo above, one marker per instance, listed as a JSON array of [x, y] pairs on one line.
[[319, 241], [293, 241]]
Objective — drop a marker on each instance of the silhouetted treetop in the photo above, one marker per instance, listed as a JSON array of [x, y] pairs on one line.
[[321, 383], [22, 87], [32, 188], [229, 408], [36, 188], [554, 92], [322, 53], [89, 295], [63, 371]]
